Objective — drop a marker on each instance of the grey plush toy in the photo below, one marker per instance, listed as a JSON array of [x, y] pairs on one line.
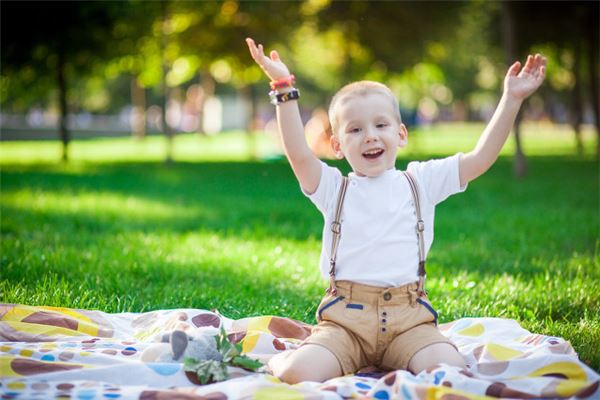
[[178, 345]]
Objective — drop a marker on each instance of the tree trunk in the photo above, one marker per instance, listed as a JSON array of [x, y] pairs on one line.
[[593, 44], [207, 83], [249, 96], [509, 36], [138, 117], [168, 132], [62, 105], [576, 112]]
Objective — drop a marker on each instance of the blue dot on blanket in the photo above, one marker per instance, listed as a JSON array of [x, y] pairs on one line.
[[405, 393], [164, 369], [438, 377], [382, 394], [361, 385], [86, 394], [112, 395], [47, 357]]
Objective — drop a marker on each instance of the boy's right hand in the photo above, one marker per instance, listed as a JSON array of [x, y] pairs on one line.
[[273, 67]]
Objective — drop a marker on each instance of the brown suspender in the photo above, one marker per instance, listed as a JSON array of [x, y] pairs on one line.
[[420, 228], [336, 230]]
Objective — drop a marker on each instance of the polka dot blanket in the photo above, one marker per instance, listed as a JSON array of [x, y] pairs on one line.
[[48, 352]]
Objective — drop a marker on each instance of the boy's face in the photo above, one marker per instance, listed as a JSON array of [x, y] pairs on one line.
[[369, 134]]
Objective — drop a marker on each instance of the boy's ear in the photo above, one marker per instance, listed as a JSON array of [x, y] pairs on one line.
[[403, 135], [335, 146]]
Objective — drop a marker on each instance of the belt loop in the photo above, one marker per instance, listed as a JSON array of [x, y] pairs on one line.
[[351, 290]]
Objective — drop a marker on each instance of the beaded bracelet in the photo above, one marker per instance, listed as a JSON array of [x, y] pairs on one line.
[[278, 98], [284, 82]]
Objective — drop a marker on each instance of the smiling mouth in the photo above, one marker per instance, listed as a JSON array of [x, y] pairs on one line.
[[373, 154]]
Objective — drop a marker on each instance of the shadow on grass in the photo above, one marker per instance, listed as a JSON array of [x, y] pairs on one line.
[[552, 211]]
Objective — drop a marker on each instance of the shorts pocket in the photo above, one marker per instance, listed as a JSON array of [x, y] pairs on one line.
[[327, 303], [429, 308], [354, 312]]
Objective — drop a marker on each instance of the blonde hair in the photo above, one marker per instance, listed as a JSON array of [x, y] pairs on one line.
[[360, 88]]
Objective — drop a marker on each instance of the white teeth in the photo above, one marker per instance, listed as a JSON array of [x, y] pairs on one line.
[[376, 151]]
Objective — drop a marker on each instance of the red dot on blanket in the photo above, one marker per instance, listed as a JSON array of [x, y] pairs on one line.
[[390, 378], [206, 319], [278, 345], [65, 386]]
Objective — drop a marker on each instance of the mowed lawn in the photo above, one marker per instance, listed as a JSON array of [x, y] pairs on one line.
[[118, 230]]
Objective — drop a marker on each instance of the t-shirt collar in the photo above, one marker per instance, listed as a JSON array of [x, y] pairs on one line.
[[387, 173]]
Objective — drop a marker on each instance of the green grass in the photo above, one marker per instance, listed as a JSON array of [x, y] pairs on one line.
[[117, 230]]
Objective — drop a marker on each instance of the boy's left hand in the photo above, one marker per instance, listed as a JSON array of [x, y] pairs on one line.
[[520, 83]]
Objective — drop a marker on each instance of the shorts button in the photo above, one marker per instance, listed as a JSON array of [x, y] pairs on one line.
[[383, 320], [382, 329], [384, 313], [387, 296]]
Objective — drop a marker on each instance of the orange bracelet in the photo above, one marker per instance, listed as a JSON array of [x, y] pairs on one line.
[[285, 82]]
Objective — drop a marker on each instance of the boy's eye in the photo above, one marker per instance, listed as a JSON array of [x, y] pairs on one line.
[[381, 125], [354, 130]]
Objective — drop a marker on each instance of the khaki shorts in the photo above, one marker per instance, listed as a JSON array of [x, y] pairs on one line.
[[366, 325]]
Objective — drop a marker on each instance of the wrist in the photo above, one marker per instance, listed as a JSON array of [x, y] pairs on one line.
[[511, 99], [286, 82], [278, 98]]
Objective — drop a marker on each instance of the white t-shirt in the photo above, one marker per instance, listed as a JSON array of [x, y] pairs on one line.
[[378, 244]]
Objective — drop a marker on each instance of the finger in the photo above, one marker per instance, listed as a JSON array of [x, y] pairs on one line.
[[513, 70], [542, 73], [274, 56], [528, 64], [540, 63], [252, 47]]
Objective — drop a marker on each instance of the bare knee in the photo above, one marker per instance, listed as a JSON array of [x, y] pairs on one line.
[[299, 365], [434, 354], [291, 371], [292, 374]]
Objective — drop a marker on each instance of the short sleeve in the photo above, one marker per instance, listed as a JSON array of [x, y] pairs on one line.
[[438, 179], [328, 186]]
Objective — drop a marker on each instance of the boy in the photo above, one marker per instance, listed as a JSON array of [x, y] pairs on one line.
[[376, 311]]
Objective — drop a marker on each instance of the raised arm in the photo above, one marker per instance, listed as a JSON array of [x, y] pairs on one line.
[[305, 164], [518, 85]]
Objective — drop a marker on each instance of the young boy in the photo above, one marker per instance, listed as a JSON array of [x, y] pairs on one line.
[[376, 311]]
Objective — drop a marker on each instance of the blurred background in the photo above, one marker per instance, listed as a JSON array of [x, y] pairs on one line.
[[159, 73]]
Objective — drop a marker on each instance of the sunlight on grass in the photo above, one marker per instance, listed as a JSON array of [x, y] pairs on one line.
[[537, 139], [96, 204], [230, 146], [441, 139]]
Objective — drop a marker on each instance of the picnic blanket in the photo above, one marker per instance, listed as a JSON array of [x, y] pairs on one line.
[[49, 352]]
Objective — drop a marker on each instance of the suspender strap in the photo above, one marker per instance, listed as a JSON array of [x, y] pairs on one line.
[[336, 231], [420, 228]]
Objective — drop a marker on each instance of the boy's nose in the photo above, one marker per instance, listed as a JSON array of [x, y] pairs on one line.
[[370, 135]]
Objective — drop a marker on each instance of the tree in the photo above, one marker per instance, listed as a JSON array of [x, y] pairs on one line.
[[574, 27], [54, 42]]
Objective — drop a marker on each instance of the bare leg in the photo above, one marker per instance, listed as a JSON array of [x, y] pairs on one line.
[[307, 363], [435, 354]]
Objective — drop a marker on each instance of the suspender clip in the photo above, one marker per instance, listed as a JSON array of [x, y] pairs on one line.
[[420, 225], [336, 227]]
